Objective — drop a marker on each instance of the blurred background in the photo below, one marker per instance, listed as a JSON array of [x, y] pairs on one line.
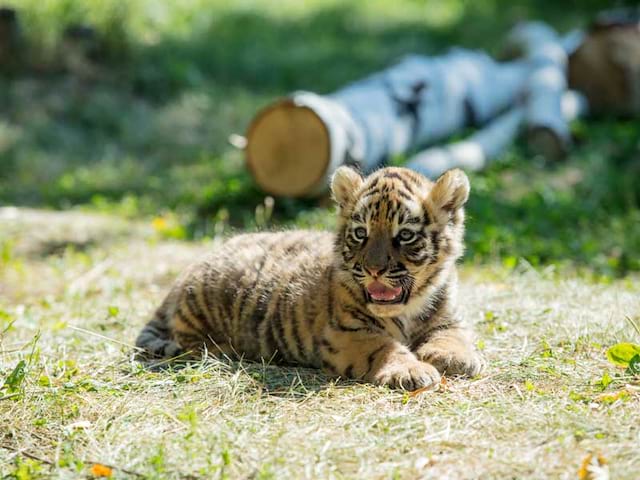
[[126, 108]]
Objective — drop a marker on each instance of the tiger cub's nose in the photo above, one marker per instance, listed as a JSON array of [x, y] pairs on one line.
[[375, 271]]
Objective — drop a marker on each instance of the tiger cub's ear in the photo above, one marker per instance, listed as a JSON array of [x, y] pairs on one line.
[[345, 183], [451, 191]]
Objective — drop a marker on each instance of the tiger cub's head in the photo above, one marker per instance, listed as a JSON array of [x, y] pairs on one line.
[[398, 233]]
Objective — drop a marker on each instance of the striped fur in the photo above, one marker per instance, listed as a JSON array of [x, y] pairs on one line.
[[304, 297]]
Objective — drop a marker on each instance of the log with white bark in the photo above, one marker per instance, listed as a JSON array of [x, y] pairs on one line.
[[294, 145]]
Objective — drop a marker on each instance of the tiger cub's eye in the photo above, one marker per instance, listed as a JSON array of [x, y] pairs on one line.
[[406, 235], [360, 233]]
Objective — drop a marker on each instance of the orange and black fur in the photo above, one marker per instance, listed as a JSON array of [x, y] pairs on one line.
[[374, 301]]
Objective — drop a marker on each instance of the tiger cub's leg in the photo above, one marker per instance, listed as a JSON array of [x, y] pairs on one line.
[[375, 358], [191, 344], [196, 327], [451, 350], [194, 345]]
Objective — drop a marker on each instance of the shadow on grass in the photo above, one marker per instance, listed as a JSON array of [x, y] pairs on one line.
[[277, 380], [583, 212], [330, 47]]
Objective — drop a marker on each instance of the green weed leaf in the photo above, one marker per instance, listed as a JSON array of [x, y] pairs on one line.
[[15, 378], [606, 380], [634, 365], [622, 353]]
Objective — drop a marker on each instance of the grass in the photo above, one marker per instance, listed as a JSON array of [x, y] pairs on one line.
[[122, 175], [72, 313]]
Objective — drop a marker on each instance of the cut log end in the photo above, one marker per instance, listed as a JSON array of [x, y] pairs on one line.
[[288, 150]]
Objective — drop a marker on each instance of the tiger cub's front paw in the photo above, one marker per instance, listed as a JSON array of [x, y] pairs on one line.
[[407, 373], [460, 361]]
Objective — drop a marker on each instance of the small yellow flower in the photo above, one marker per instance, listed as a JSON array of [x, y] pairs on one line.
[[159, 224]]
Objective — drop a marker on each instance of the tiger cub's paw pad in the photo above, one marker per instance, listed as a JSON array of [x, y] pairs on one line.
[[453, 362], [407, 375]]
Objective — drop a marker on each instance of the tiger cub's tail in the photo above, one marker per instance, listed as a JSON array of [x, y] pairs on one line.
[[155, 339]]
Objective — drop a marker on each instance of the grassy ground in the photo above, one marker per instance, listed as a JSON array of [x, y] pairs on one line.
[[73, 300], [133, 147]]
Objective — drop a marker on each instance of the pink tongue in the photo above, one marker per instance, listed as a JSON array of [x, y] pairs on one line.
[[378, 291]]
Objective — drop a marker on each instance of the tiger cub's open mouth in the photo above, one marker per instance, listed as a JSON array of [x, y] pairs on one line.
[[379, 293]]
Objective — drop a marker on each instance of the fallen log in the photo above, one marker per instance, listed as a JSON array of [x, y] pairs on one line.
[[295, 144]]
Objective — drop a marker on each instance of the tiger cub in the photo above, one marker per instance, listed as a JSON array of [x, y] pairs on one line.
[[373, 301]]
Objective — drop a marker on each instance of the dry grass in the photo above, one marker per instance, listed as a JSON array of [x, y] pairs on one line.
[[74, 310]]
